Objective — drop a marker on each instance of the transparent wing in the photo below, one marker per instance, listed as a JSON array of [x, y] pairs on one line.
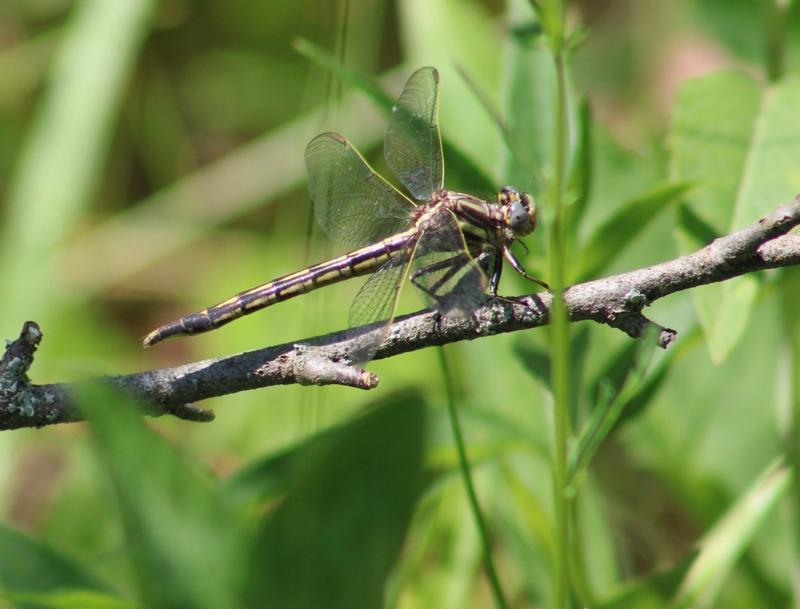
[[438, 263], [412, 145], [376, 301], [353, 204], [444, 270]]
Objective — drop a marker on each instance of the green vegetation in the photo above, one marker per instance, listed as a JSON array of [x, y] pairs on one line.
[[151, 163]]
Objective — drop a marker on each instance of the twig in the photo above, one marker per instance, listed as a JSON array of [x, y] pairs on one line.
[[616, 301]]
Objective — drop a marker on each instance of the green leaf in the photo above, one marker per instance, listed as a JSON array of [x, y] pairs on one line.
[[184, 542], [29, 566], [335, 537], [610, 238], [628, 375], [739, 141], [622, 390], [726, 541]]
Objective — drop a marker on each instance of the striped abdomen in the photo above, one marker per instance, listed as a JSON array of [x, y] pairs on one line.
[[356, 263]]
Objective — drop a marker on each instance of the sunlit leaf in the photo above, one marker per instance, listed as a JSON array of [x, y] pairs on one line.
[[738, 141]]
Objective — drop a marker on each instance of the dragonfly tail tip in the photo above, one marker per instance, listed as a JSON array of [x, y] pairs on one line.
[[151, 339]]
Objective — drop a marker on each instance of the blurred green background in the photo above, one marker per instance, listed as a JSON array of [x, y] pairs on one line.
[[151, 164]]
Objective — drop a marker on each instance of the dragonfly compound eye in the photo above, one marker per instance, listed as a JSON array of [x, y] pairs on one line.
[[522, 215], [518, 218]]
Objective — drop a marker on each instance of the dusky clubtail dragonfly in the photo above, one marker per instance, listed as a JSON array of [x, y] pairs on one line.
[[449, 244]]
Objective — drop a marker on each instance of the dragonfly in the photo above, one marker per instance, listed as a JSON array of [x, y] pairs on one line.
[[449, 244]]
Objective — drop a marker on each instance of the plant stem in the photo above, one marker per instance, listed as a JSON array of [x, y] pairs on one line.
[[463, 463], [776, 65], [560, 347], [776, 39], [578, 576], [790, 291]]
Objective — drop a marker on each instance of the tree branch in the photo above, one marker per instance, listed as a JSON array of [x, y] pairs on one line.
[[616, 301]]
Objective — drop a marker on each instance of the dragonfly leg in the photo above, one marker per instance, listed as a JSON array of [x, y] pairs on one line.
[[497, 270], [452, 264], [515, 264]]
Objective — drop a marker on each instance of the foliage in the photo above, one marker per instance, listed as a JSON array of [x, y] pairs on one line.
[[151, 160]]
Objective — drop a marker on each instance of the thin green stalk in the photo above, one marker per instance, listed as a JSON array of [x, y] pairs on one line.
[[776, 66], [794, 446], [475, 507], [789, 293], [560, 349], [776, 38], [578, 576], [552, 15]]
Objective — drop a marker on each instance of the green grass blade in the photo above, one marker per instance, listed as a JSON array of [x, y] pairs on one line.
[[622, 391], [727, 540], [633, 372]]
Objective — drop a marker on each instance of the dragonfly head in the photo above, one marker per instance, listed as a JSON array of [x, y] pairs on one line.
[[519, 211]]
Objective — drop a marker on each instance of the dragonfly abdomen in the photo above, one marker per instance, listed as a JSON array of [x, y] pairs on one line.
[[359, 262]]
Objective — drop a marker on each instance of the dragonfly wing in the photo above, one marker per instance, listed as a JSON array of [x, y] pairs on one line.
[[438, 262], [376, 301], [444, 270], [412, 145], [354, 205]]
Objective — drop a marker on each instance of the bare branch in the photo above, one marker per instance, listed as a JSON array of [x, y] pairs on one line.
[[616, 301]]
